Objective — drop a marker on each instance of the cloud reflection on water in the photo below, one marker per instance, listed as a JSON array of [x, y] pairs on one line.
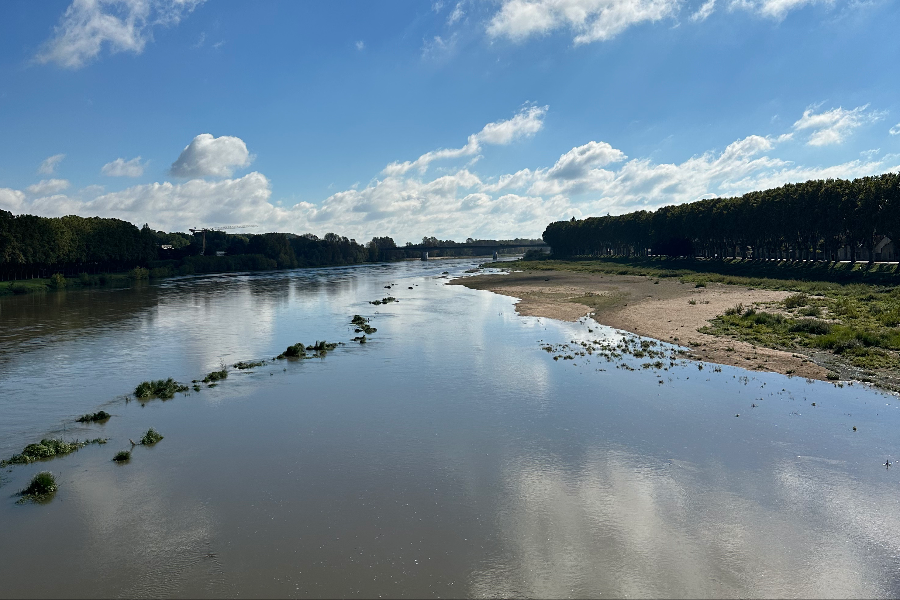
[[629, 525]]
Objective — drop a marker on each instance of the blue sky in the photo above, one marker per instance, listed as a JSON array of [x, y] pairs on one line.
[[453, 119]]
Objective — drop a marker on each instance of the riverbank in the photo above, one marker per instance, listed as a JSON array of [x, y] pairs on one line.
[[667, 309]]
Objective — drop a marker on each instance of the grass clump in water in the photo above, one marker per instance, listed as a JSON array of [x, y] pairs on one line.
[[362, 326], [361, 339], [41, 489], [101, 415], [151, 437], [248, 365], [387, 300], [47, 448], [164, 389], [215, 376], [297, 350], [322, 348], [122, 456]]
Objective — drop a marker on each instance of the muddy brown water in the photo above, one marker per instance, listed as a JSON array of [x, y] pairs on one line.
[[448, 456]]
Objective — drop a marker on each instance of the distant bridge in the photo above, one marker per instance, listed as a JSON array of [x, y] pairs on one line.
[[486, 247]]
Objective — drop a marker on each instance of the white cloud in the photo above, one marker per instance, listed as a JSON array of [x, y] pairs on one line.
[[407, 203], [123, 168], [11, 200], [120, 25], [208, 156], [47, 186], [704, 11], [774, 9], [590, 20], [833, 126], [527, 122], [360, 45], [457, 14], [438, 48], [576, 162], [895, 130], [48, 167]]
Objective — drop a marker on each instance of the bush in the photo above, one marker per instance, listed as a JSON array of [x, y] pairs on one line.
[[139, 273], [57, 281], [92, 418], [161, 388], [297, 350], [151, 437], [122, 456], [42, 485], [796, 301]]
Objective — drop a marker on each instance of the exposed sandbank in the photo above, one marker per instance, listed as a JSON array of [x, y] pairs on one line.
[[656, 308]]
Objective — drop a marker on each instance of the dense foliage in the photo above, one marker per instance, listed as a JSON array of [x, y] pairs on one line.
[[808, 221]]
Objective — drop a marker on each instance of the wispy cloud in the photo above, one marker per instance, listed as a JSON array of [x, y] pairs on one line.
[[47, 186], [833, 126], [88, 26], [589, 20], [48, 167]]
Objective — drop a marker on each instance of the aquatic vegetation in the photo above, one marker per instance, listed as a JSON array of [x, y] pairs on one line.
[[249, 365], [42, 487], [122, 456], [297, 350], [47, 448], [151, 437], [361, 339], [320, 349], [100, 415], [216, 375], [160, 388], [362, 326], [387, 300]]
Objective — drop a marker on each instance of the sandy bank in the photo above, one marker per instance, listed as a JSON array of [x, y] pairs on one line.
[[657, 308]]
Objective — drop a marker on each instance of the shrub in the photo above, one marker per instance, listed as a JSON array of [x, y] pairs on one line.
[[161, 388], [297, 350], [216, 375], [151, 437], [139, 273], [122, 456], [737, 309], [42, 485], [57, 281], [796, 301], [101, 415]]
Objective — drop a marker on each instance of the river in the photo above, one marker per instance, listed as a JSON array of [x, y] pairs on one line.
[[451, 455]]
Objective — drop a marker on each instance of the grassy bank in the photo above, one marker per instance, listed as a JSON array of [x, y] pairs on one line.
[[844, 316]]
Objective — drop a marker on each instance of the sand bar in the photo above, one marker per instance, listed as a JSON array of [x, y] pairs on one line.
[[657, 308]]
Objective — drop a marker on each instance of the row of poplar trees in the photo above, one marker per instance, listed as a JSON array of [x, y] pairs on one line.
[[804, 221]]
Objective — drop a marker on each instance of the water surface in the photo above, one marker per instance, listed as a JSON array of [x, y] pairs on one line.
[[449, 456]]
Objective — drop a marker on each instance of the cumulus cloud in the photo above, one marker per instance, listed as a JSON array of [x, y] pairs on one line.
[[589, 20], [123, 168], [833, 126], [47, 186], [48, 167], [406, 202], [208, 156], [11, 200], [88, 26]]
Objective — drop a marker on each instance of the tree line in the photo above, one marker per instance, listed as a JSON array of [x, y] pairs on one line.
[[32, 246], [817, 220]]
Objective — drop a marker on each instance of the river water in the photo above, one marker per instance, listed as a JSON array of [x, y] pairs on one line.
[[451, 455]]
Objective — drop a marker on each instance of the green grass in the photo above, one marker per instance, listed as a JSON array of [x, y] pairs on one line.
[[160, 388], [216, 375], [101, 415], [45, 449], [151, 437], [242, 365], [41, 489]]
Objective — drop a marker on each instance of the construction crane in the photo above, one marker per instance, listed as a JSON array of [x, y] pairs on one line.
[[203, 230]]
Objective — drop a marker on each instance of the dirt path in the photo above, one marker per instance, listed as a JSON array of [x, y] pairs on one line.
[[657, 308]]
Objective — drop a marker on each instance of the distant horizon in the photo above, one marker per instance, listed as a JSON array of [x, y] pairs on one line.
[[451, 119]]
